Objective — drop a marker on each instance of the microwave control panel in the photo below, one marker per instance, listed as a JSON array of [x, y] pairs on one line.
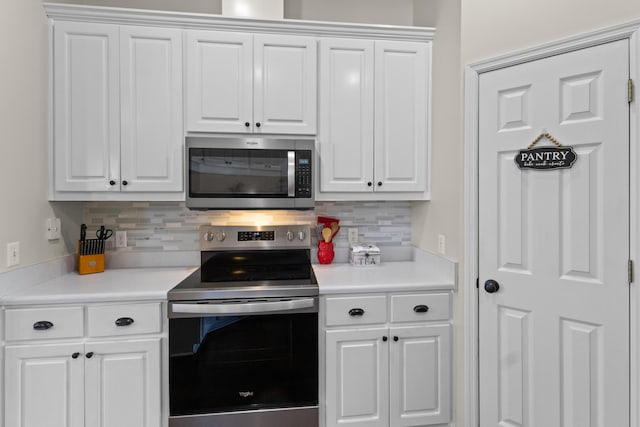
[[303, 173]]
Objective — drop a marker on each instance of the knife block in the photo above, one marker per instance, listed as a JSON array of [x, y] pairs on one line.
[[88, 264]]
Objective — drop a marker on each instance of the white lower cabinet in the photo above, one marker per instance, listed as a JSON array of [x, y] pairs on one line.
[[84, 382], [383, 372]]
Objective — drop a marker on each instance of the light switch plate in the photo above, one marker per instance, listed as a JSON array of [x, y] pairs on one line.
[[53, 228], [13, 254]]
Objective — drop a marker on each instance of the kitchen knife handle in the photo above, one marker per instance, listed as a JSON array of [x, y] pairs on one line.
[[42, 325], [124, 321]]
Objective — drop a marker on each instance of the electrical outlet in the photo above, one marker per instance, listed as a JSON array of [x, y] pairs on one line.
[[13, 254], [121, 239], [441, 244], [352, 236]]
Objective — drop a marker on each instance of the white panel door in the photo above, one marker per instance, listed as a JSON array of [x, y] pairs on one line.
[[44, 386], [420, 375], [123, 384], [87, 105], [285, 84], [219, 68], [357, 372], [151, 108], [401, 115], [346, 115], [554, 338]]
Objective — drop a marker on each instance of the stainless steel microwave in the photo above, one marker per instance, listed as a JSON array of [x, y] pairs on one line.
[[249, 173]]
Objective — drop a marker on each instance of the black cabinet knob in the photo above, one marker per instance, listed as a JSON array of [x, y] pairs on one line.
[[247, 124], [112, 182], [124, 321], [385, 339], [420, 308], [258, 124], [75, 355], [125, 183], [379, 183], [42, 325], [89, 355], [369, 184], [356, 312], [396, 339], [491, 286]]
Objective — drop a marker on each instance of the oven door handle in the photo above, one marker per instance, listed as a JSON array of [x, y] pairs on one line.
[[243, 308]]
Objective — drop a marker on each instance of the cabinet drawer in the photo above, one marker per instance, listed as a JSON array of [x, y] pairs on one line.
[[356, 310], [43, 323], [409, 308], [124, 319]]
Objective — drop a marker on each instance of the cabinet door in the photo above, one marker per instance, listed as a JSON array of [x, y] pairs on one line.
[[86, 121], [123, 384], [44, 386], [151, 108], [401, 116], [219, 82], [346, 115], [285, 84], [420, 375], [357, 386]]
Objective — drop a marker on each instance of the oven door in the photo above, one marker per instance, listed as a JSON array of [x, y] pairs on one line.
[[243, 362]]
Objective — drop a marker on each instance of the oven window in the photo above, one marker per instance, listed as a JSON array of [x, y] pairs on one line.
[[223, 364], [237, 173]]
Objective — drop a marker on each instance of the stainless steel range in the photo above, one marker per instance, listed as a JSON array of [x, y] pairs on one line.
[[243, 331]]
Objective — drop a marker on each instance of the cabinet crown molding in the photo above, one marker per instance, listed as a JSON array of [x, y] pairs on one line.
[[99, 14]]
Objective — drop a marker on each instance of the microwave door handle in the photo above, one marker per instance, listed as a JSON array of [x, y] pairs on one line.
[[251, 307], [291, 173]]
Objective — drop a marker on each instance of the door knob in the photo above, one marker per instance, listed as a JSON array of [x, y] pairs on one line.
[[491, 286]]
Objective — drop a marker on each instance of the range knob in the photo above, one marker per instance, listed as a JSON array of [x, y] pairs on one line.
[[290, 235], [208, 236], [301, 235], [221, 236]]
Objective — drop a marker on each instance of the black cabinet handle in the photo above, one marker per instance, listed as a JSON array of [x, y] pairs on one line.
[[89, 355], [258, 124], [112, 182], [379, 183], [75, 355], [421, 308], [396, 338], [369, 184], [124, 321], [42, 325], [385, 339], [356, 312], [125, 182], [247, 124]]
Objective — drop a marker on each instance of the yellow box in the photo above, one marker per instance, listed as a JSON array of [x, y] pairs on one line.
[[88, 264]]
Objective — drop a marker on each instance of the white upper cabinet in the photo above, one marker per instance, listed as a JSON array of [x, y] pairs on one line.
[[87, 106], [401, 119], [374, 120], [346, 114], [244, 83], [117, 111], [151, 109]]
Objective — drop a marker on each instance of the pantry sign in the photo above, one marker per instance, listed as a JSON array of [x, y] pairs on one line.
[[546, 158]]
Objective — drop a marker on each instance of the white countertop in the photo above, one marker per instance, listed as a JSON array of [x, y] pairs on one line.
[[125, 284], [426, 272]]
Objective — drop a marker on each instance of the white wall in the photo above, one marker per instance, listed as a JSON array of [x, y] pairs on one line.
[[491, 27], [23, 137]]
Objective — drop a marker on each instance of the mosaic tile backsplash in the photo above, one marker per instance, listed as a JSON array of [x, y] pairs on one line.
[[170, 226]]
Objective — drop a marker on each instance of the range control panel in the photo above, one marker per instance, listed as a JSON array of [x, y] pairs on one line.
[[214, 237]]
